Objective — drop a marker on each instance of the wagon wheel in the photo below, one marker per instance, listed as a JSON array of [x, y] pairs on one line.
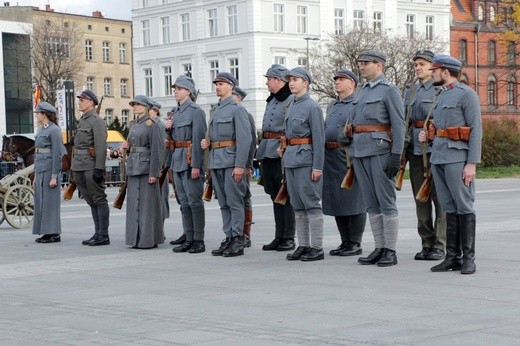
[[18, 206], [2, 218]]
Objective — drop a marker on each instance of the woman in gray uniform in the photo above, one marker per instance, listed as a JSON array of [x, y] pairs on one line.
[[144, 224], [49, 150]]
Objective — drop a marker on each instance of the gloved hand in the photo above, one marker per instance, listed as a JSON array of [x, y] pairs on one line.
[[98, 175], [392, 166]]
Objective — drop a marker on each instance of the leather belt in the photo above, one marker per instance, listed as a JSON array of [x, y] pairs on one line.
[[272, 135], [371, 128], [223, 144], [182, 144], [139, 149], [418, 124], [42, 150], [332, 145], [81, 151], [298, 141]]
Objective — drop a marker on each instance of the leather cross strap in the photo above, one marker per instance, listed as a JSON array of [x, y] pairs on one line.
[[371, 128], [182, 144], [272, 135], [332, 145], [299, 141], [223, 144]]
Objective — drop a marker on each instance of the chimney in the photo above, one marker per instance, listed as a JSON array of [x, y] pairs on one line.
[[97, 14], [48, 8]]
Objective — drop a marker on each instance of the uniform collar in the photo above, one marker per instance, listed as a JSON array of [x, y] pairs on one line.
[[428, 84], [347, 99], [372, 83], [223, 102], [185, 105], [143, 118], [303, 97]]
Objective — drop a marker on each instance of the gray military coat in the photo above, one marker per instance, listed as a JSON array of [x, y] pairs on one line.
[[90, 133]]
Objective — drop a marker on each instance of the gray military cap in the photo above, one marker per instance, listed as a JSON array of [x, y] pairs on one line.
[[447, 62], [373, 55], [300, 72], [141, 100], [155, 104], [89, 95], [424, 54], [277, 71], [185, 82], [226, 77], [45, 107], [239, 92], [344, 73]]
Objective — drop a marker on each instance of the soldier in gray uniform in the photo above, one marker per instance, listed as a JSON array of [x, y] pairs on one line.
[[273, 128], [432, 233], [189, 128], [303, 162], [155, 115], [230, 140], [456, 150], [49, 150], [240, 95], [88, 164], [377, 143], [144, 223], [345, 205]]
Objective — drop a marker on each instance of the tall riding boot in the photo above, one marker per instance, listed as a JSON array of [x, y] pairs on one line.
[[95, 217], [198, 216], [467, 232], [248, 221], [187, 222], [279, 224], [343, 224], [104, 221], [453, 250]]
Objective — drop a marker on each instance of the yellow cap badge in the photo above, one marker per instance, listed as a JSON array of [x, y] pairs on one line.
[[149, 122]]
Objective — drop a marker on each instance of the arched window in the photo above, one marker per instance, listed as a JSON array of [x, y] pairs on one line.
[[480, 13], [511, 91], [463, 51], [492, 14], [492, 91], [511, 53], [492, 53]]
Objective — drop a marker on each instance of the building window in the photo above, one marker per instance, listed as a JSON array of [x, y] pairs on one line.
[[359, 19], [302, 61], [57, 46], [511, 53], [185, 25], [89, 54], [145, 27], [122, 30], [106, 51], [339, 21], [463, 51], [429, 1], [492, 14], [107, 87], [429, 28], [107, 29], [301, 14], [233, 67], [213, 25], [492, 91], [90, 83], [89, 27], [164, 1], [187, 69], [232, 19], [213, 71], [279, 60], [148, 82], [165, 28], [124, 87], [145, 3], [492, 53], [109, 113], [122, 53], [279, 18], [511, 91], [480, 12], [378, 21], [410, 25], [125, 115], [168, 80]]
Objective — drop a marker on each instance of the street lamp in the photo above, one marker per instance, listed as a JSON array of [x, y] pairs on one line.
[[309, 39]]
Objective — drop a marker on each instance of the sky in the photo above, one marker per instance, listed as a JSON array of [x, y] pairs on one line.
[[114, 9]]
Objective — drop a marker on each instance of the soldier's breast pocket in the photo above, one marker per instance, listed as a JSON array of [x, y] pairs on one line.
[[299, 127], [451, 110], [373, 108], [183, 129], [84, 135], [426, 105], [225, 127]]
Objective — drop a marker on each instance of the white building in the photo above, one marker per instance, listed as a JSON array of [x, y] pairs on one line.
[[245, 37]]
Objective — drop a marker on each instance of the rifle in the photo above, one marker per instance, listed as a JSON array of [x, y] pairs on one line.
[[282, 195], [120, 198], [424, 191], [348, 180], [207, 194], [404, 157]]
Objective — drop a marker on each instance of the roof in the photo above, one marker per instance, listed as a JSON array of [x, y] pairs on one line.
[[461, 11]]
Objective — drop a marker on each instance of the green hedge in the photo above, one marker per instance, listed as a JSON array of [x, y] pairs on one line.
[[500, 143]]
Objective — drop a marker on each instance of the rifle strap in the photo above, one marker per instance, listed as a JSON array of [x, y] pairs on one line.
[[424, 145]]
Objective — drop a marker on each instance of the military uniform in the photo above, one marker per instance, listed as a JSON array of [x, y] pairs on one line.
[[377, 143], [144, 223], [49, 150], [165, 188], [345, 205], [91, 138], [273, 127]]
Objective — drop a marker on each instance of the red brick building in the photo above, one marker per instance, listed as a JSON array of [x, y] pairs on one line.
[[490, 65]]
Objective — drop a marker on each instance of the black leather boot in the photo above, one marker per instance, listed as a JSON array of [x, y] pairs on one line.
[[467, 232], [197, 247], [373, 258], [179, 240], [236, 248], [287, 244], [183, 247], [313, 255], [87, 241], [452, 261], [223, 246], [272, 245], [296, 255], [351, 249], [336, 251], [100, 240], [388, 259]]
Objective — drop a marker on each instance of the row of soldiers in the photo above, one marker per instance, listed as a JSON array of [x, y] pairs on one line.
[[368, 129]]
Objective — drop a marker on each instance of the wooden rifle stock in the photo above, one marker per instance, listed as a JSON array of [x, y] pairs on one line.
[[282, 195], [400, 174], [424, 191], [348, 180], [69, 191], [207, 194], [120, 199]]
